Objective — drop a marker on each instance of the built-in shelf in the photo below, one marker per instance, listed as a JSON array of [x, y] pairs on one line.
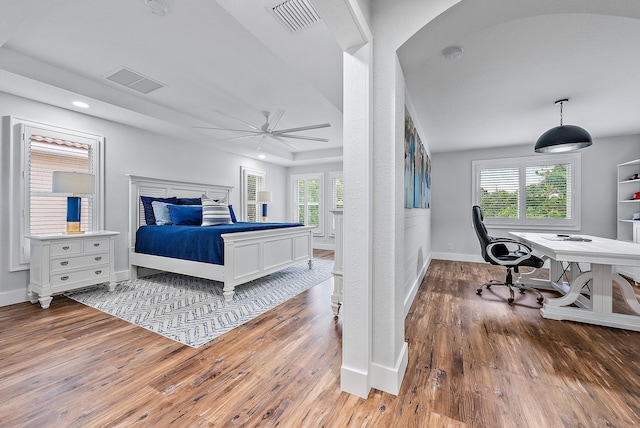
[[628, 229]]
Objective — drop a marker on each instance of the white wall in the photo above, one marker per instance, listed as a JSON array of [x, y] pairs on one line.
[[128, 150], [325, 241], [417, 231], [451, 193]]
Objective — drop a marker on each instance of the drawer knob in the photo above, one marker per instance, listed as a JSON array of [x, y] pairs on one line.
[[96, 244], [64, 263], [98, 272], [64, 278], [65, 247], [98, 259]]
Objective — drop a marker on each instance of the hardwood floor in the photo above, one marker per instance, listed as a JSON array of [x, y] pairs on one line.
[[474, 361]]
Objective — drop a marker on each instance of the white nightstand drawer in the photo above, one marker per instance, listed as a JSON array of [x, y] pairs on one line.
[[72, 263], [94, 275], [66, 247], [96, 244]]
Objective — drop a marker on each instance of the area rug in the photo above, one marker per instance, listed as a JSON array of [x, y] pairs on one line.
[[192, 310]]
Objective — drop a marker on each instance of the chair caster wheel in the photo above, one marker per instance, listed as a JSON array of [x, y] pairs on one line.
[[510, 300], [540, 300], [479, 291], [522, 290], [488, 286]]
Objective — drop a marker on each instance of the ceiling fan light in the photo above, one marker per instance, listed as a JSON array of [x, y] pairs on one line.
[[563, 138]]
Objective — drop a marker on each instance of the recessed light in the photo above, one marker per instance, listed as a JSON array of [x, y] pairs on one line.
[[261, 156], [80, 104]]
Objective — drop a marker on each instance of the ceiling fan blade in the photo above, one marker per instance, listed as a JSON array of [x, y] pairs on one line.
[[239, 120], [261, 142], [286, 143], [227, 129], [302, 128], [237, 138], [274, 118], [302, 137]]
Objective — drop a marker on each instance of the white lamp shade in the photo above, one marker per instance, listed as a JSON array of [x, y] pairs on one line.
[[72, 182], [264, 196]]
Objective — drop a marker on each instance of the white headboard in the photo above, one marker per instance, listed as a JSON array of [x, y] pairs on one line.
[[160, 187]]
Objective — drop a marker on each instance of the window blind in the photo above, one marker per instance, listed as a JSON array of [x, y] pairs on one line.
[[307, 201], [254, 184], [540, 191]]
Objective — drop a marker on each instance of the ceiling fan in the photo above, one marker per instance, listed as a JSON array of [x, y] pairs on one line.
[[268, 130]]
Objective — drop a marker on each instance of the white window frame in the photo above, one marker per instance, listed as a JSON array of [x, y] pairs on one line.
[[20, 132], [332, 177], [244, 190], [574, 159], [318, 231]]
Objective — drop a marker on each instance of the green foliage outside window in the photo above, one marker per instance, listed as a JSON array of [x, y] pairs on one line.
[[546, 196]]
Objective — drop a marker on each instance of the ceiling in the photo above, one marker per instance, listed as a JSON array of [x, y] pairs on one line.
[[520, 56], [222, 63], [226, 62]]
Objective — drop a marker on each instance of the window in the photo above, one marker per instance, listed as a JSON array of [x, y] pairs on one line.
[[37, 151], [337, 197], [253, 181], [307, 200], [532, 192]]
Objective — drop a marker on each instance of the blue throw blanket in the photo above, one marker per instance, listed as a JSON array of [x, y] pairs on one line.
[[197, 243]]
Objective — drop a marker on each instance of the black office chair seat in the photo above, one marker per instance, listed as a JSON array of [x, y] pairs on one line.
[[505, 252]]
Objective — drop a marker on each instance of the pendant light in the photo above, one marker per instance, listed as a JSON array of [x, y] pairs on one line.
[[563, 138]]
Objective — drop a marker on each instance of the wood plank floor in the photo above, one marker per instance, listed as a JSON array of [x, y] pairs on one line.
[[473, 362]]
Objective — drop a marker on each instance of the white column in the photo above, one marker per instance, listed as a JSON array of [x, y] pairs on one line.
[[356, 325]]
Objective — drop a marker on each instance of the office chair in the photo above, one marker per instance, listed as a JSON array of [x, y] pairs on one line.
[[504, 252]]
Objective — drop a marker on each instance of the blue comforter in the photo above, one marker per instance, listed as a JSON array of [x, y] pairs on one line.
[[197, 243]]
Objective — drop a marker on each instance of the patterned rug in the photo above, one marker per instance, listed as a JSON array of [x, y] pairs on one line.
[[192, 310]]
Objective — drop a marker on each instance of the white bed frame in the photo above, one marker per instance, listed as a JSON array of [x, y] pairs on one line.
[[247, 255]]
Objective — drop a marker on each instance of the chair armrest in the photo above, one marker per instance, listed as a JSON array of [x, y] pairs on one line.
[[520, 247]]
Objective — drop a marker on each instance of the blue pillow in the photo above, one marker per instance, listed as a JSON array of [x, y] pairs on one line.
[[189, 201], [232, 214], [161, 213], [185, 215], [149, 217]]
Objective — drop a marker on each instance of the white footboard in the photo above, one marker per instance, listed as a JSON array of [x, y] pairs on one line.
[[251, 255]]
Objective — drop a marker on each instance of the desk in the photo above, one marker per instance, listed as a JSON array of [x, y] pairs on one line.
[[594, 302]]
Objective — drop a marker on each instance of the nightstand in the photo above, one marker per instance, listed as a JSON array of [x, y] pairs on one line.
[[61, 262]]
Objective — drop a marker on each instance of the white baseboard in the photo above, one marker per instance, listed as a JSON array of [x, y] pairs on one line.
[[320, 246], [13, 296], [389, 379], [413, 290], [354, 382]]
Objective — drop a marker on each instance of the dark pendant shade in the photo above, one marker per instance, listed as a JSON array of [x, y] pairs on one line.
[[563, 138]]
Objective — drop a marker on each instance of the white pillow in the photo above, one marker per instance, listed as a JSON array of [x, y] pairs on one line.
[[214, 213], [161, 213]]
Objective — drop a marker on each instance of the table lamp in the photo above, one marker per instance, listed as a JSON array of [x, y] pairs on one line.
[[76, 183], [264, 196]]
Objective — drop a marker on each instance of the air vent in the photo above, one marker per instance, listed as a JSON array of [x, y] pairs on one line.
[[296, 15], [134, 80]]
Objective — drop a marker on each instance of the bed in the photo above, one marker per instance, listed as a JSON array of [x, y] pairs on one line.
[[247, 255]]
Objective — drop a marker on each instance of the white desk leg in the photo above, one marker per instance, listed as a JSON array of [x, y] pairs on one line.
[[601, 290], [627, 293], [573, 293]]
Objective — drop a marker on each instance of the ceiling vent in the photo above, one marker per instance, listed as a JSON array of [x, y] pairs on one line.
[[134, 80], [296, 15]]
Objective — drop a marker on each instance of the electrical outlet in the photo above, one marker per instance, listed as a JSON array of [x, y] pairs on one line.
[[449, 246]]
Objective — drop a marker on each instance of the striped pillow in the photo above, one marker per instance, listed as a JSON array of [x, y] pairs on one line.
[[214, 212]]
